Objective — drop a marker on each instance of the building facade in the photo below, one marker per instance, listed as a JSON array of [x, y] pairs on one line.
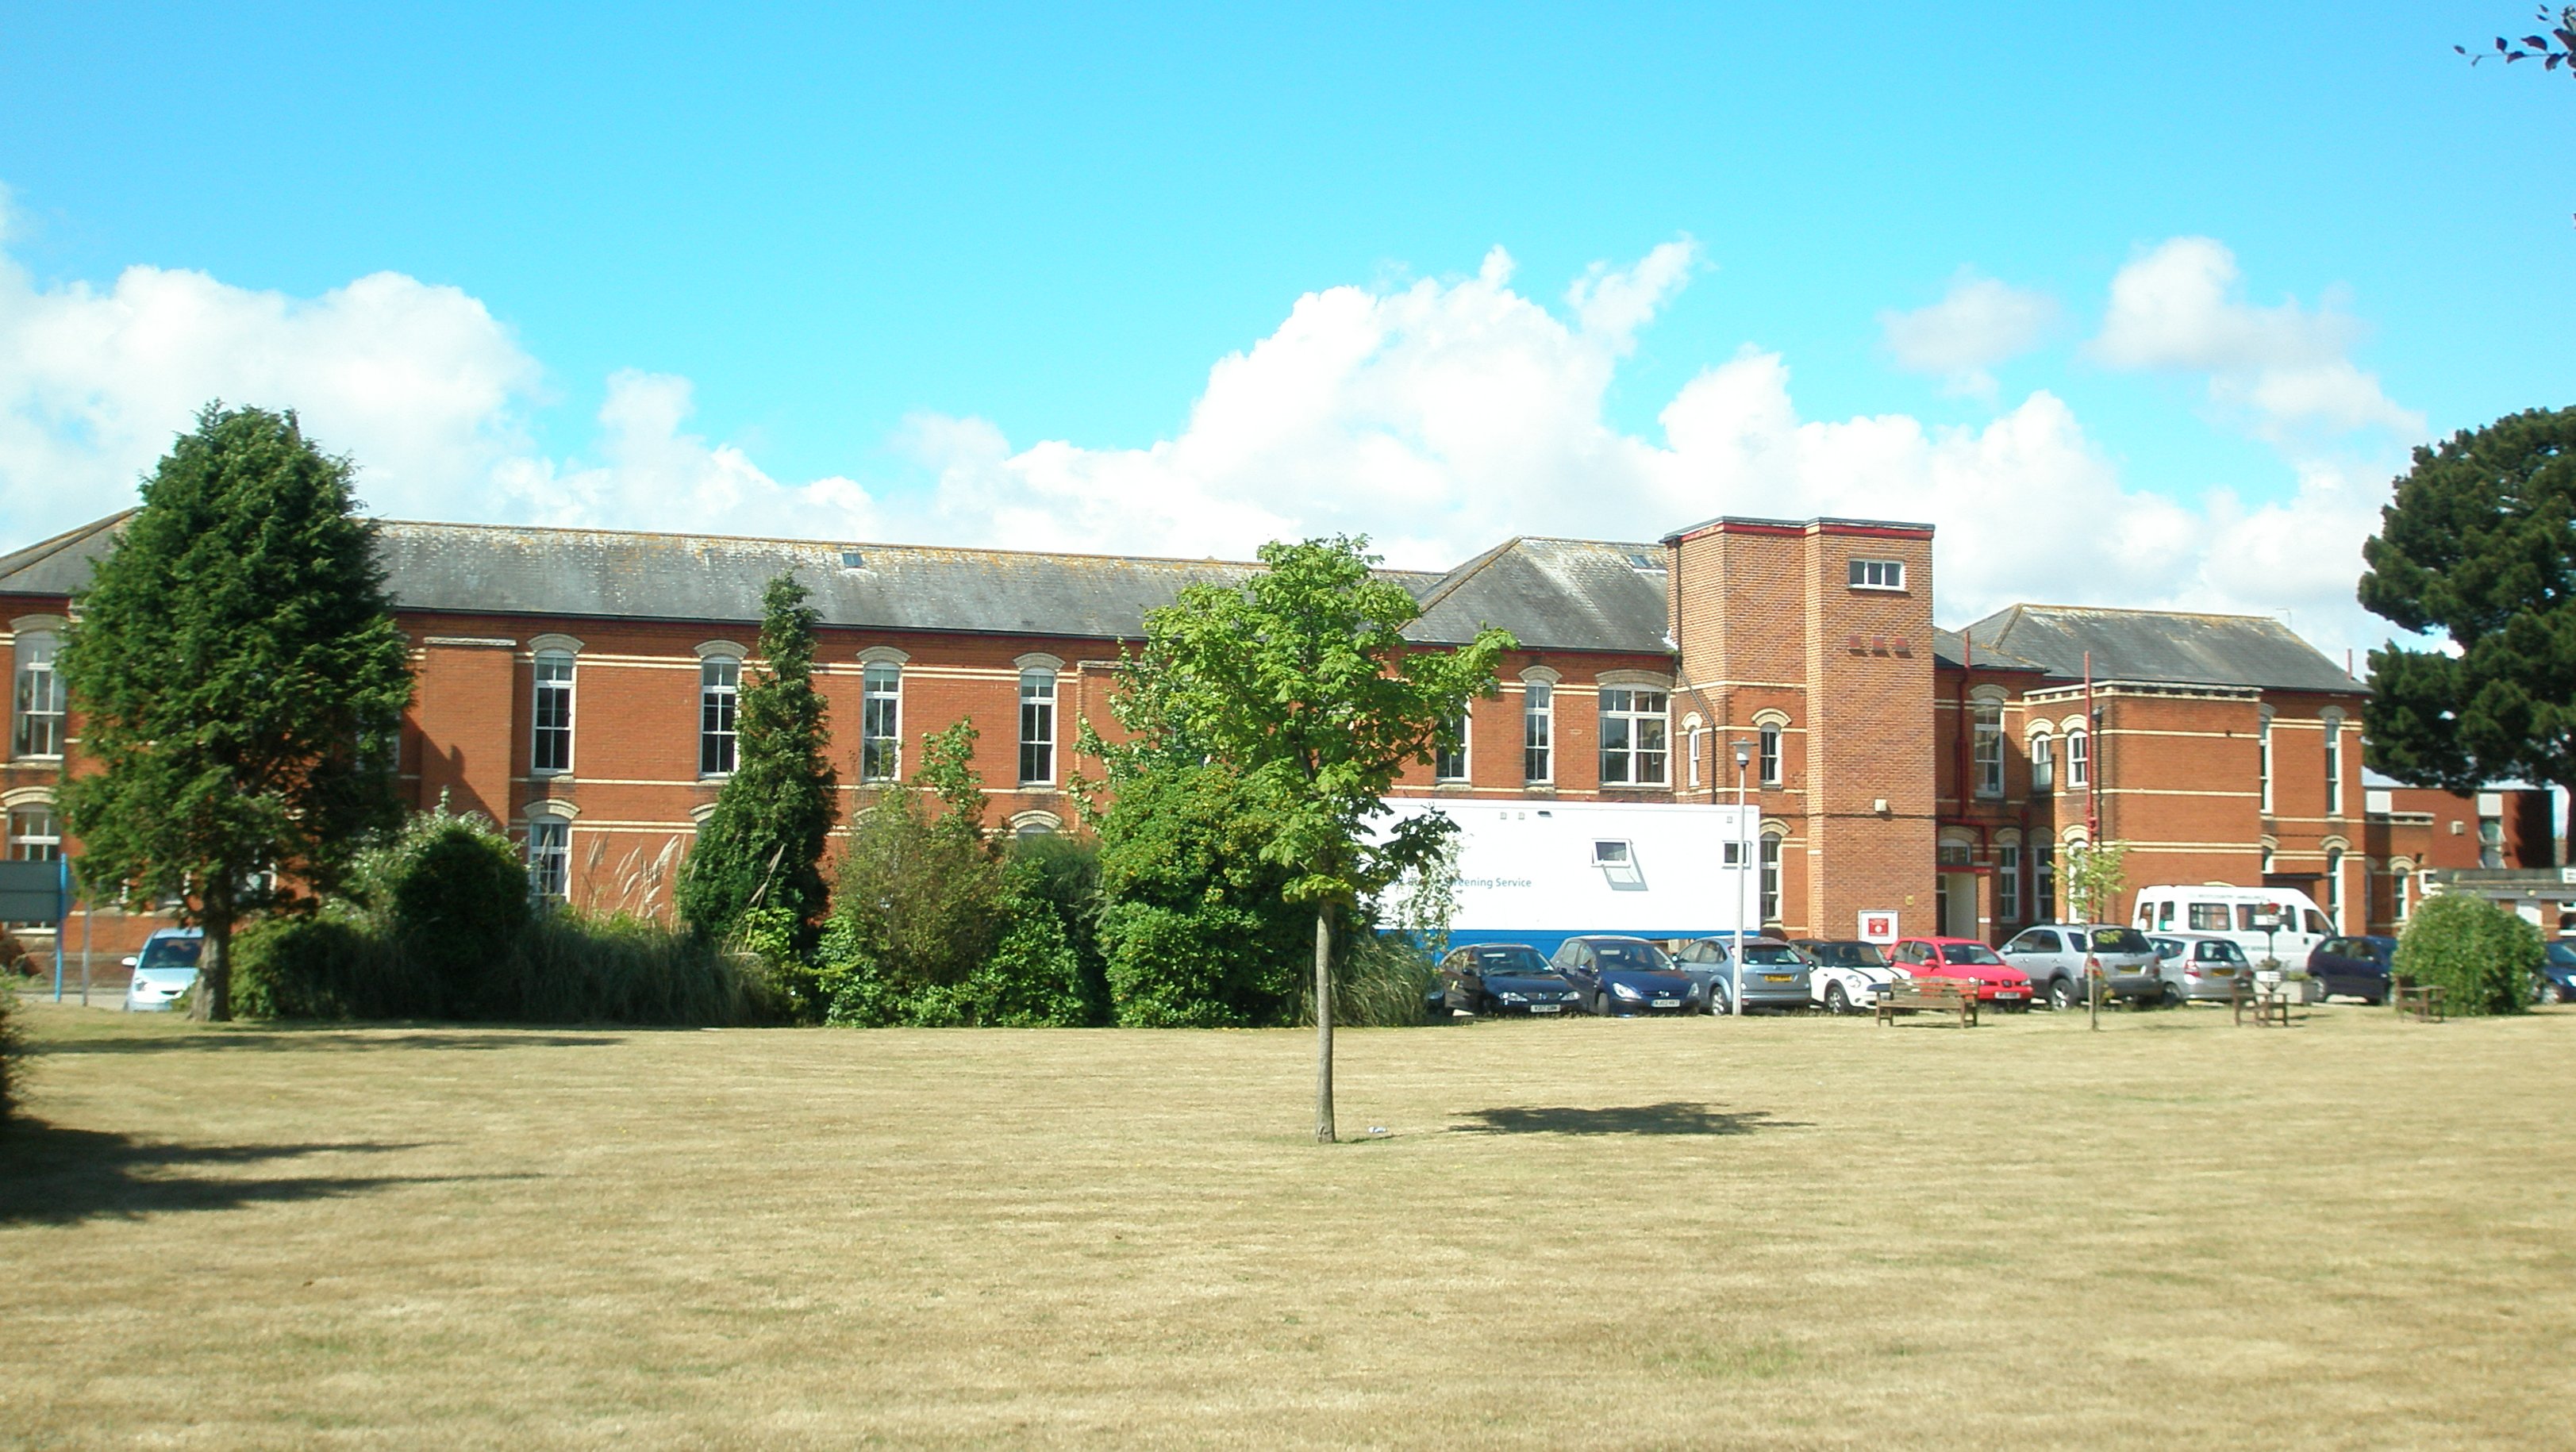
[[578, 686]]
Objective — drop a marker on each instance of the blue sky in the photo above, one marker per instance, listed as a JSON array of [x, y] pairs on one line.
[[948, 273]]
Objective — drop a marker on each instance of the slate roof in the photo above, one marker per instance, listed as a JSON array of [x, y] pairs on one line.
[[1561, 594], [2164, 647], [1949, 648], [1554, 594]]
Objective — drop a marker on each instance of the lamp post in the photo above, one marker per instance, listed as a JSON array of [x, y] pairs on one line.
[[1744, 868]]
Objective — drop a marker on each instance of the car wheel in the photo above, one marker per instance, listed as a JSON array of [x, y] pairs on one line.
[[1601, 1005], [2170, 997], [2062, 996], [1836, 1001]]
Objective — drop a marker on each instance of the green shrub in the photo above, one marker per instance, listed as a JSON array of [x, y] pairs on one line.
[[1212, 965], [454, 894], [332, 966], [1194, 928], [1382, 983], [11, 1048], [2482, 956], [1062, 871], [571, 967]]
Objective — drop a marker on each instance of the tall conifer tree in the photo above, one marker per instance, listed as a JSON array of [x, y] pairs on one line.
[[763, 846], [239, 680]]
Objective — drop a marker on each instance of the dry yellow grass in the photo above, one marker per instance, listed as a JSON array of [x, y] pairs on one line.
[[1805, 1233]]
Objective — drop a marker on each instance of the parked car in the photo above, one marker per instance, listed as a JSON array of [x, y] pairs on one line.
[[1616, 975], [2354, 966], [1775, 973], [2200, 967], [1970, 961], [1848, 974], [1498, 978], [166, 968], [2057, 956], [2558, 972]]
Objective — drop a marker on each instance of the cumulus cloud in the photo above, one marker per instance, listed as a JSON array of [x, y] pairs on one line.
[[1979, 323], [419, 383], [2286, 369]]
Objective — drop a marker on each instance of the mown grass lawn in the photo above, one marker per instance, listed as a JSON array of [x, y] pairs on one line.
[[2356, 1232]]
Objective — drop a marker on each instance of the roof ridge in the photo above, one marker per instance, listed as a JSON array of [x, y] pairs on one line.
[[45, 549], [1451, 582], [2022, 605], [816, 543]]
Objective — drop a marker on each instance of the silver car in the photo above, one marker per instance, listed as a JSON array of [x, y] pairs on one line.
[[2056, 955], [166, 968], [1775, 974], [2200, 967]]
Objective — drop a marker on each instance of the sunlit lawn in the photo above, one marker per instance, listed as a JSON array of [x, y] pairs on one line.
[[2356, 1232]]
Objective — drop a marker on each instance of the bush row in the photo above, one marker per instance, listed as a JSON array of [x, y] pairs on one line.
[[2481, 956]]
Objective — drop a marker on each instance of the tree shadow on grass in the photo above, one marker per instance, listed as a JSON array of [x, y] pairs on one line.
[[1670, 1117], [336, 1039], [52, 1175]]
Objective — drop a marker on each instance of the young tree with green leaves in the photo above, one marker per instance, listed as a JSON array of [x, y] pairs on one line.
[[763, 845], [1301, 683], [240, 681], [2479, 546]]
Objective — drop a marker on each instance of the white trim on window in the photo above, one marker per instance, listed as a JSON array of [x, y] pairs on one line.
[[881, 715], [1636, 744], [38, 711], [1456, 763], [719, 710], [553, 669], [1538, 728], [1037, 723], [1886, 575]]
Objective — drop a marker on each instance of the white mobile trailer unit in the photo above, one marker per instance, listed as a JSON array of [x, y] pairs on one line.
[[1541, 872]]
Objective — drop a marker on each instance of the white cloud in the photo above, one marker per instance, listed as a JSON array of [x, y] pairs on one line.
[[2286, 368], [1439, 417], [1979, 323], [418, 383]]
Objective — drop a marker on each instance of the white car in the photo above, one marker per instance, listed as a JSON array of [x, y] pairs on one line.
[[1849, 974], [166, 968]]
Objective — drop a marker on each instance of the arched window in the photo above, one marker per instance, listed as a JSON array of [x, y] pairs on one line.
[[1770, 876], [2334, 764], [2043, 764], [1449, 762], [1037, 726], [1770, 754], [719, 694], [2079, 759], [1986, 746], [2008, 881], [2043, 881], [38, 728], [549, 858], [1633, 737], [881, 721], [2401, 884], [1538, 731], [2334, 887], [550, 744], [35, 833], [2263, 758]]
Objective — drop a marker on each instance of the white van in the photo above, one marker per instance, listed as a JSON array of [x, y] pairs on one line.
[[2232, 913]]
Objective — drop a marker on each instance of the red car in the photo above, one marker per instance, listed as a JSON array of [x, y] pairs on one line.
[[1998, 982]]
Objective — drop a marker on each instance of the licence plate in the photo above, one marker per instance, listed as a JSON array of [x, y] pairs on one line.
[[1667, 1003], [1779, 977], [2011, 993], [2222, 972], [1546, 1007]]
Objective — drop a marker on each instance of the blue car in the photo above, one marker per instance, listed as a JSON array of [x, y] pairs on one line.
[[1624, 975], [1498, 978], [2558, 973]]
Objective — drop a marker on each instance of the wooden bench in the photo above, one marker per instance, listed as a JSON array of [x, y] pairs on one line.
[[2419, 1001], [2271, 1002], [1929, 995]]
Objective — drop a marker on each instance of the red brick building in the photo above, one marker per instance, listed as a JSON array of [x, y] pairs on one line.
[[2408, 831], [578, 687]]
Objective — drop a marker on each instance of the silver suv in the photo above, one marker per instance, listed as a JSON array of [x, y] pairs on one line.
[[2055, 956]]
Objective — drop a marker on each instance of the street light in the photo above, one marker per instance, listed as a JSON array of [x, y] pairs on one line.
[[1744, 869]]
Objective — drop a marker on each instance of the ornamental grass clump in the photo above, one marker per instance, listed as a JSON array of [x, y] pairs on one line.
[[2482, 957]]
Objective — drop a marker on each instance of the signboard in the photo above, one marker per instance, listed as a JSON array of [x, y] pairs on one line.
[[1878, 927], [35, 892]]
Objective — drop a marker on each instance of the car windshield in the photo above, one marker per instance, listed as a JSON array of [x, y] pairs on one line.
[[1977, 953], [1774, 954], [1847, 955], [170, 953], [1509, 958], [2120, 940], [1631, 954], [2168, 947]]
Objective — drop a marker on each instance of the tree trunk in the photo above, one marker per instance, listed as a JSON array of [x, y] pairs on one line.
[[1323, 1025], [213, 999]]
